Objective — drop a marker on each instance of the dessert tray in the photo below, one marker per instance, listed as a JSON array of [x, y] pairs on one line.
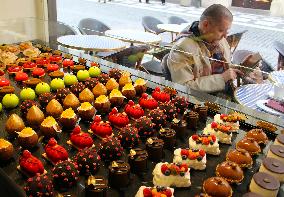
[[109, 160]]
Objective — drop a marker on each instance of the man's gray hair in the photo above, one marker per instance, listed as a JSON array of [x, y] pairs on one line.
[[216, 13]]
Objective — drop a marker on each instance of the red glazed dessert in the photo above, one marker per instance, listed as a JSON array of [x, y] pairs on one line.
[[4, 82], [21, 76], [2, 72], [29, 164], [118, 119], [134, 111], [38, 72], [148, 103], [100, 128], [67, 63], [80, 139], [55, 152], [55, 58], [160, 95], [14, 69], [52, 67], [42, 62], [29, 66]]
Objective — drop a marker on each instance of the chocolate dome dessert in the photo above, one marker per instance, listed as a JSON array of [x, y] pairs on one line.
[[62, 93], [158, 118], [144, 126], [241, 157], [91, 83], [110, 149], [88, 161], [169, 109], [230, 171], [259, 136], [38, 186], [114, 73], [45, 98], [26, 105], [217, 187], [250, 145], [181, 103], [128, 137], [77, 88]]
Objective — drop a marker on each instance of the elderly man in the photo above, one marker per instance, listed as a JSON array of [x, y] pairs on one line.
[[189, 60]]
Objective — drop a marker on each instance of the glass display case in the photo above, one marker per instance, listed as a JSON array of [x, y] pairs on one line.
[[48, 33]]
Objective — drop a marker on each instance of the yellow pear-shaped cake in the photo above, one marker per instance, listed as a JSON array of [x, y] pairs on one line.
[[99, 89], [124, 79], [86, 96], [28, 138], [14, 124], [54, 108], [35, 116], [71, 101], [111, 84], [140, 86]]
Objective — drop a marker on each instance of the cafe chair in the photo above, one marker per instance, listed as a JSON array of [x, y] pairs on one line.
[[130, 57], [90, 26], [176, 20], [150, 25], [64, 29], [280, 48], [234, 40]]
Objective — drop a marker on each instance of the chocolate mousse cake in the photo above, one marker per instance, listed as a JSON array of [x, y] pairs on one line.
[[217, 187], [277, 152], [230, 171], [96, 186], [202, 110], [155, 147], [191, 118], [279, 140], [258, 135], [250, 145], [137, 158], [119, 174], [273, 167], [179, 126], [264, 184], [168, 136], [241, 157]]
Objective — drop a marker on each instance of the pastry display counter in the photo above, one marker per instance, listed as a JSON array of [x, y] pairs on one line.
[[176, 127]]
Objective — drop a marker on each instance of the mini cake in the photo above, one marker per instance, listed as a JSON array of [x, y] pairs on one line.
[[67, 63], [160, 96], [32, 82], [209, 143], [241, 157], [80, 139], [102, 104], [96, 186], [118, 119], [38, 72], [28, 66], [21, 76], [155, 148], [279, 140], [86, 96], [71, 101], [128, 91], [195, 159], [112, 84], [6, 150], [169, 109], [202, 110], [168, 136], [14, 124], [52, 67], [230, 120], [55, 59], [65, 175], [181, 103], [91, 83], [264, 184], [4, 82], [30, 165], [35, 116], [222, 132], [39, 185], [100, 128], [14, 69], [277, 152], [103, 78], [68, 119], [56, 74], [144, 126], [110, 149], [116, 98], [6, 90], [250, 145], [42, 62], [77, 88], [124, 79], [86, 111], [148, 103], [45, 98], [128, 136], [191, 118], [62, 93], [26, 105], [54, 152], [119, 174], [137, 159], [114, 73], [54, 108], [230, 171], [88, 161], [179, 126], [217, 187], [49, 127], [140, 86], [170, 174], [158, 118], [259, 136], [273, 167], [76, 68], [153, 191], [266, 126], [133, 111], [28, 138]]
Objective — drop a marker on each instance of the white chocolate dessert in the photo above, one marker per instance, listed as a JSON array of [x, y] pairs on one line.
[[229, 120], [155, 189], [273, 167], [279, 140], [264, 184], [165, 174], [222, 132], [209, 143], [195, 159], [277, 152]]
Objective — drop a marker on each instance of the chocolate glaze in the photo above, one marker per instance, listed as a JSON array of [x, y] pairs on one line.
[[273, 165], [119, 176], [217, 186], [191, 118], [277, 150], [240, 156], [155, 149], [201, 110], [138, 162], [266, 181], [250, 145], [230, 171], [258, 135]]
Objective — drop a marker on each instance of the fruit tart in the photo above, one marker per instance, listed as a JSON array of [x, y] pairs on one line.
[[209, 143], [148, 103], [54, 152], [155, 191], [30, 165], [14, 69], [100, 128], [118, 119], [221, 131], [79, 139], [133, 110], [194, 158], [160, 96]]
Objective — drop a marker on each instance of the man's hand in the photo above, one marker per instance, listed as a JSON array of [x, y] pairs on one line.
[[231, 74]]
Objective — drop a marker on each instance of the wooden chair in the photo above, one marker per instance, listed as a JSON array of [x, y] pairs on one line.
[[234, 40]]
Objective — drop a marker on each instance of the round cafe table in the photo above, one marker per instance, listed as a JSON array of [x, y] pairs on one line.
[[133, 36], [91, 43], [172, 28]]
